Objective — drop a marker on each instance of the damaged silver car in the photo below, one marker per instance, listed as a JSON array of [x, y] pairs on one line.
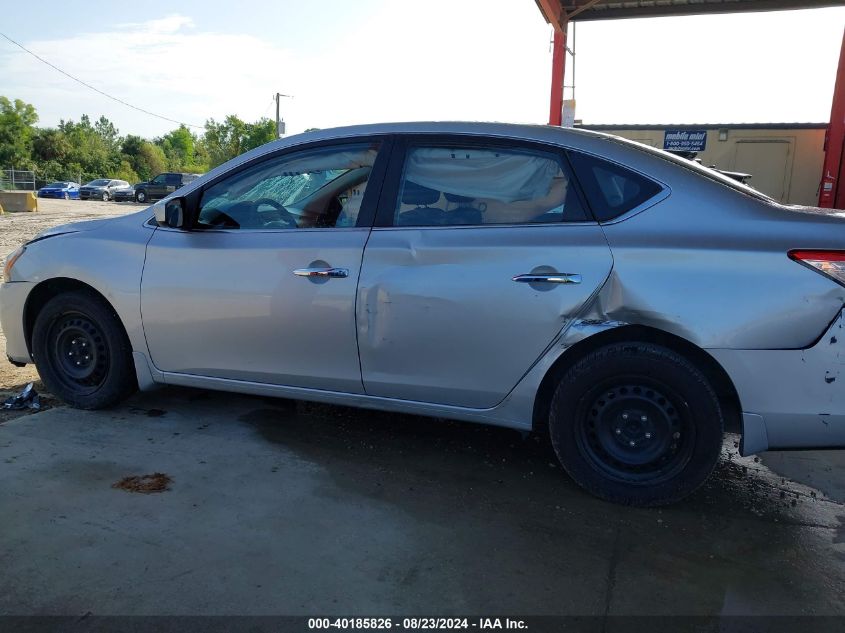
[[627, 303]]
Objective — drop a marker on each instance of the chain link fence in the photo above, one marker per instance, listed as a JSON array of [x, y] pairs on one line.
[[12, 179]]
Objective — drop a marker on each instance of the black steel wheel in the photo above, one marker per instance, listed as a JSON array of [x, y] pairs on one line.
[[82, 352], [79, 350], [636, 423], [635, 430]]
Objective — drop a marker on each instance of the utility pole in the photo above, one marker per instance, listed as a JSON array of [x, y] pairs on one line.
[[280, 123]]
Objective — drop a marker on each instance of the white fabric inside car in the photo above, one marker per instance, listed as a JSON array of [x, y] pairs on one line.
[[478, 173]]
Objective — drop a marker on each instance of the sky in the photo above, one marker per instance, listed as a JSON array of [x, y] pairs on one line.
[[397, 60]]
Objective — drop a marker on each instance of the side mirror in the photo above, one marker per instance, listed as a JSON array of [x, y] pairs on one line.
[[171, 213]]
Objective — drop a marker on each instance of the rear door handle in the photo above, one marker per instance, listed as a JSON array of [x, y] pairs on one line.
[[553, 278], [338, 273]]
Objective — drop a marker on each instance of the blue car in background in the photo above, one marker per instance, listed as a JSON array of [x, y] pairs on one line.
[[66, 190]]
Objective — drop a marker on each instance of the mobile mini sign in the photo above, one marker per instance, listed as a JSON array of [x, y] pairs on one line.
[[685, 140]]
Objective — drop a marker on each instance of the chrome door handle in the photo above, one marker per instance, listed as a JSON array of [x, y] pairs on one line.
[[554, 278], [339, 273]]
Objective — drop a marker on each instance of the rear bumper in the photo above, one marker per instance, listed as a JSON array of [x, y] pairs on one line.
[[12, 301], [791, 399]]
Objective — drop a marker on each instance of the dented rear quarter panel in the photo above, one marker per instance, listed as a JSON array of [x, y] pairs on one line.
[[710, 265]]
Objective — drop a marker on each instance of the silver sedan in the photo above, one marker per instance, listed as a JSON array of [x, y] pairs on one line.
[[630, 305]]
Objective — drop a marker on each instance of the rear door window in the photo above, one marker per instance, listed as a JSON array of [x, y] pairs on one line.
[[611, 189], [473, 185]]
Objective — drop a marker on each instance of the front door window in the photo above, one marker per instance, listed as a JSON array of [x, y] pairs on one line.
[[320, 188]]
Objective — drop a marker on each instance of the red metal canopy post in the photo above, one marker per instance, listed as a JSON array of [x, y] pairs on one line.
[[832, 189], [558, 71], [555, 15]]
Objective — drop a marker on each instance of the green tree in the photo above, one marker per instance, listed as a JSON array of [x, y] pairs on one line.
[[150, 161], [50, 144], [17, 128], [233, 137], [125, 172], [106, 130], [89, 148]]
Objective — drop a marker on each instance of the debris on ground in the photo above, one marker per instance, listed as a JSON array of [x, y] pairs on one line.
[[28, 398], [157, 482]]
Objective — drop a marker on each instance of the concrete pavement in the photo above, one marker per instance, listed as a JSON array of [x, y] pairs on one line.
[[291, 508]]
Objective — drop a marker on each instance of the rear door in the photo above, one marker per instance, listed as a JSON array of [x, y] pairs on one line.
[[482, 252]]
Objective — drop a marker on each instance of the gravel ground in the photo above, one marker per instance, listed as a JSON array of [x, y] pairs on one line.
[[17, 228]]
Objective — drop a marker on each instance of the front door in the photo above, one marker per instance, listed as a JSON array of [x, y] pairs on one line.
[[263, 289], [482, 252]]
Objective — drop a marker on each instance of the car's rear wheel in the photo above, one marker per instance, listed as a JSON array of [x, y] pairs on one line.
[[67, 196], [82, 352], [140, 196], [105, 196], [636, 423]]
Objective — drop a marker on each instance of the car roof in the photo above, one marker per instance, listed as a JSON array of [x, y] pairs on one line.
[[576, 138], [526, 131]]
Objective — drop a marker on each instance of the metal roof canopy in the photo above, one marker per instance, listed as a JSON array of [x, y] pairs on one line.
[[558, 12]]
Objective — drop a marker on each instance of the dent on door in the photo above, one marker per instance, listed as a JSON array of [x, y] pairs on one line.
[[441, 318]]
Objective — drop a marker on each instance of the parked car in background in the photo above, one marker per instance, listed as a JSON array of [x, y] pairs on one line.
[[62, 189], [124, 194], [162, 185], [628, 304], [101, 189]]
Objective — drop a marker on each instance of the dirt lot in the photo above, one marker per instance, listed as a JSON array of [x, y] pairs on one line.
[[17, 228]]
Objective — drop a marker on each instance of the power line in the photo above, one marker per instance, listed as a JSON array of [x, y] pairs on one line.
[[105, 94]]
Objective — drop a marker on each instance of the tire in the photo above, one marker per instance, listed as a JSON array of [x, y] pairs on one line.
[[67, 196], [140, 196], [105, 196], [82, 352], [636, 424]]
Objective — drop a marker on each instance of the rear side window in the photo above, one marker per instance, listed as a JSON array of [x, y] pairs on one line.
[[474, 185], [174, 179], [611, 190]]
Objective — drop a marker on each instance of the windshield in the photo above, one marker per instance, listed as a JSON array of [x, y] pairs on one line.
[[698, 168], [61, 185], [102, 182]]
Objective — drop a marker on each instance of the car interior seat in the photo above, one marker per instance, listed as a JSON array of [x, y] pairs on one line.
[[464, 213], [423, 214]]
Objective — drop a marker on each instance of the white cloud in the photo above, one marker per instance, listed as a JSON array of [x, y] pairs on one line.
[[442, 59], [164, 66], [449, 61]]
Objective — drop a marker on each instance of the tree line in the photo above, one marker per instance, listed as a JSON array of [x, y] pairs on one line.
[[83, 150]]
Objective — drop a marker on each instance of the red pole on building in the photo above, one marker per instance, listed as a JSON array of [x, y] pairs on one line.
[[558, 70], [832, 189]]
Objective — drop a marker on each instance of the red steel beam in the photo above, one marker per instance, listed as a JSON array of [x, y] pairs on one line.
[[832, 189], [558, 70], [553, 11]]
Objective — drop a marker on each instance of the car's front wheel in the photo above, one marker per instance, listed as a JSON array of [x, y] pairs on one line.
[[67, 196], [105, 196], [140, 196], [82, 352], [636, 423]]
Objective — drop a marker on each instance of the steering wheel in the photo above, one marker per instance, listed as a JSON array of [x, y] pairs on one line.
[[284, 215]]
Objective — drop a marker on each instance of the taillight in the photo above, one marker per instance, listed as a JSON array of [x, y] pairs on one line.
[[829, 263]]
